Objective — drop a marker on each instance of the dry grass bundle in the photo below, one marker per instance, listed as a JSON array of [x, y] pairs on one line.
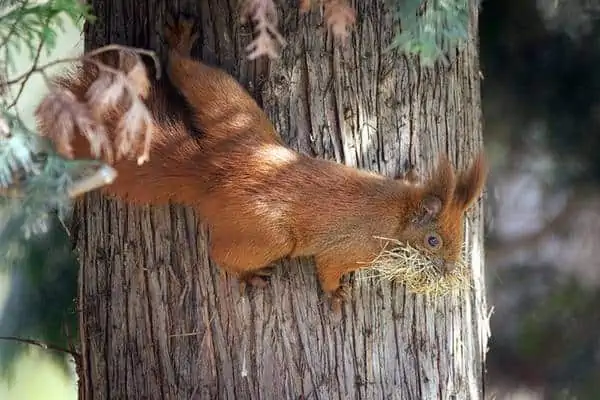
[[414, 268]]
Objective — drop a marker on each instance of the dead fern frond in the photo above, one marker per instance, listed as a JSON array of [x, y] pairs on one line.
[[268, 40], [122, 86]]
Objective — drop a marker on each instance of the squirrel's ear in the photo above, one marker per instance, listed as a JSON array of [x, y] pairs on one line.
[[429, 209], [442, 182], [470, 183]]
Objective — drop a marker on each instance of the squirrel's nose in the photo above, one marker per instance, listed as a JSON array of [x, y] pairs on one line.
[[449, 267], [444, 266]]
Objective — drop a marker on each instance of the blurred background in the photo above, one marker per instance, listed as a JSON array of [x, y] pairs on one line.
[[541, 104], [541, 107], [37, 297]]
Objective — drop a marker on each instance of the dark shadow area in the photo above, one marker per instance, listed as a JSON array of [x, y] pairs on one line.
[[41, 302]]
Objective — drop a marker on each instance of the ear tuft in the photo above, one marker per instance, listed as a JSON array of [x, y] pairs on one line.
[[470, 183], [410, 176], [442, 182]]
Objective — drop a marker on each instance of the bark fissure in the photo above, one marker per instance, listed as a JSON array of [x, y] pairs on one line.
[[108, 337]]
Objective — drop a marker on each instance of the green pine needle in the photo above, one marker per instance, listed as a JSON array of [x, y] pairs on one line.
[[40, 177], [431, 29], [35, 25], [27, 161]]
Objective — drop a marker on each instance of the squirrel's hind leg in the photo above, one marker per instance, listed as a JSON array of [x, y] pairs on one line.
[[250, 260], [219, 103], [180, 34]]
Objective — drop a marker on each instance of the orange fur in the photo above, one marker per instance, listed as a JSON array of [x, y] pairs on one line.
[[263, 201]]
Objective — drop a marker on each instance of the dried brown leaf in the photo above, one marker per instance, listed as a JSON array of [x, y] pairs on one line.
[[138, 77], [124, 87], [136, 121], [304, 6], [108, 89], [134, 69], [339, 17], [63, 114], [105, 92]]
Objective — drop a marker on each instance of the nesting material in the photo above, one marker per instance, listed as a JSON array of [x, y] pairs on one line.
[[402, 263]]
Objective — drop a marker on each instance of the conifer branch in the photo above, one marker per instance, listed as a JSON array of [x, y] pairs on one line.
[[43, 345], [431, 29]]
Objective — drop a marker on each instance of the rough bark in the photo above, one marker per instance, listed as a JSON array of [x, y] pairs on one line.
[[158, 318]]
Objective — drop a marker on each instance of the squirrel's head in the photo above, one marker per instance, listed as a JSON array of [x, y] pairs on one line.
[[436, 222]]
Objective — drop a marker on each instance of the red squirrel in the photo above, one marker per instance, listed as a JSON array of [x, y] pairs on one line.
[[263, 201]]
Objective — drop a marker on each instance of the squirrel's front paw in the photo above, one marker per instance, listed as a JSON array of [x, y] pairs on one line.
[[339, 296], [180, 34]]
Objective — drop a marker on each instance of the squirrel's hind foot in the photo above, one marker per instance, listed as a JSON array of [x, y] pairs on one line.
[[180, 33], [259, 279]]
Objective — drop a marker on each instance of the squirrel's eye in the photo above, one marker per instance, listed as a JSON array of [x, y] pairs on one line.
[[433, 241]]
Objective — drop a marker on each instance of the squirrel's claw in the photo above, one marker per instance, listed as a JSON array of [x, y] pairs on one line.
[[180, 34]]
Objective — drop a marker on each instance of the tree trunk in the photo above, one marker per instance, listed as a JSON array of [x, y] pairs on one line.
[[160, 321]]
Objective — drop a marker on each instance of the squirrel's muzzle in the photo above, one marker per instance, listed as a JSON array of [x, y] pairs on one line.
[[444, 267]]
